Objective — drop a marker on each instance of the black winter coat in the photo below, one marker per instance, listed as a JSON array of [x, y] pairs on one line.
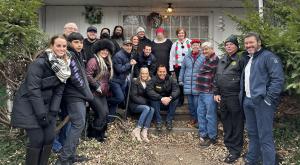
[[228, 76], [40, 93], [138, 95], [157, 88], [88, 50], [145, 61]]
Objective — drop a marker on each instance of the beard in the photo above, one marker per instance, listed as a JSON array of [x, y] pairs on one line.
[[105, 35], [118, 34]]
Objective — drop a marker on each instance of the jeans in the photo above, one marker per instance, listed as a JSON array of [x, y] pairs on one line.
[[207, 116], [77, 114], [61, 137], [146, 116], [171, 110], [118, 95], [193, 104], [259, 124]]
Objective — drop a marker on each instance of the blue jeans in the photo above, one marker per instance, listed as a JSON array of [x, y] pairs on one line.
[[207, 115], [61, 137], [171, 110], [77, 112], [146, 116], [193, 104], [259, 124], [118, 95]]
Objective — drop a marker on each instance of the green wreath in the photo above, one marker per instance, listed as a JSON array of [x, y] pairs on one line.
[[93, 15], [154, 20]]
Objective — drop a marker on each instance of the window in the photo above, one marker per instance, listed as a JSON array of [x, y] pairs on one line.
[[196, 26]]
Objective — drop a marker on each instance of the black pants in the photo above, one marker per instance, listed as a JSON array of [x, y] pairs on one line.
[[232, 118], [38, 137], [181, 96], [100, 107]]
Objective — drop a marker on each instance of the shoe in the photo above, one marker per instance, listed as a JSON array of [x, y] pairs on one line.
[[45, 154], [78, 159], [136, 134], [205, 142], [231, 158], [32, 156], [158, 126], [144, 135], [63, 162], [169, 125]]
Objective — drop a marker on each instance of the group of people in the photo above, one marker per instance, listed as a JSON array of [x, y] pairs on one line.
[[76, 74]]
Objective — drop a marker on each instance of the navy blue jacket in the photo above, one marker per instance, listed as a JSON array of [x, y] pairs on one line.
[[121, 64], [266, 78], [145, 61]]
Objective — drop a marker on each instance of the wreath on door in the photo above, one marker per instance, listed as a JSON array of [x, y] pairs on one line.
[[93, 15], [154, 20]]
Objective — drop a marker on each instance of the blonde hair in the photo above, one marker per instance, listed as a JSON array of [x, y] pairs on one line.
[[149, 77], [103, 66], [208, 44]]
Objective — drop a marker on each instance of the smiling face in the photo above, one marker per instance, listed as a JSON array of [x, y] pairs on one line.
[[141, 34], [144, 74], [196, 47], [181, 35], [135, 40], [162, 73], [251, 44], [59, 47], [127, 47], [207, 51], [92, 35], [70, 28], [230, 48], [103, 53], [147, 50]]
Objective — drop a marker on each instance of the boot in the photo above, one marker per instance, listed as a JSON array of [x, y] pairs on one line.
[[144, 135], [45, 154], [102, 136], [32, 156], [136, 134]]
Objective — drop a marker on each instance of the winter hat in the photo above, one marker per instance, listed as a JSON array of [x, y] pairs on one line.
[[75, 36], [103, 44], [232, 39], [91, 29], [159, 30], [195, 41], [140, 29]]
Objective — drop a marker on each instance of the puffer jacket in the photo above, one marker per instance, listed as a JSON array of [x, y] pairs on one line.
[[190, 68], [138, 95], [121, 65], [40, 93]]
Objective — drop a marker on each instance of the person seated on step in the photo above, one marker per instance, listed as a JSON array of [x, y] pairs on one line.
[[139, 103], [163, 90]]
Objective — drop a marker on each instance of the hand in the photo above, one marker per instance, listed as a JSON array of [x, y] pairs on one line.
[[181, 83], [132, 62], [99, 90], [165, 100], [217, 98], [43, 120], [173, 75]]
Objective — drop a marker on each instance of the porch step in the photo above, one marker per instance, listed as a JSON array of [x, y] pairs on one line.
[[174, 130]]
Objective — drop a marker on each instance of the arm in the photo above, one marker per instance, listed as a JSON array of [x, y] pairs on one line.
[[56, 98], [118, 66], [153, 66], [152, 94], [175, 89], [182, 71], [276, 74], [172, 57], [135, 97], [91, 67]]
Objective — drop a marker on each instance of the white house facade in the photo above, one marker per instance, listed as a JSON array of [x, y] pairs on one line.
[[204, 19]]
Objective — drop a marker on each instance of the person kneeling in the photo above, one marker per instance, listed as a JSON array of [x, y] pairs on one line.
[[163, 91], [139, 103]]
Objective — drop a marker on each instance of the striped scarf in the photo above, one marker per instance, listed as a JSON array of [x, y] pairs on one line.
[[59, 66]]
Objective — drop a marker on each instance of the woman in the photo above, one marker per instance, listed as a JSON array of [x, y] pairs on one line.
[[99, 71], [189, 71], [179, 50], [37, 101], [139, 104], [135, 44]]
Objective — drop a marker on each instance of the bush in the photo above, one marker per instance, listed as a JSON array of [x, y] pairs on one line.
[[280, 32]]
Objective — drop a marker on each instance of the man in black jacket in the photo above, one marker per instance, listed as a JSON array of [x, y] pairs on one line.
[[88, 43], [146, 59], [143, 40], [226, 93], [163, 91]]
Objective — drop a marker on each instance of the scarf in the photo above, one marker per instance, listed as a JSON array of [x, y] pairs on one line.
[[195, 55], [177, 55], [59, 66]]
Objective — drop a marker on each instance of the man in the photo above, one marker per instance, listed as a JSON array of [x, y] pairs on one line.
[[163, 90], [118, 37], [140, 32], [75, 95], [261, 85], [146, 59], [226, 93], [206, 111], [161, 47], [122, 64], [69, 28], [88, 42]]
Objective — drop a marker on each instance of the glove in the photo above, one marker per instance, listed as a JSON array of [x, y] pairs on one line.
[[43, 120]]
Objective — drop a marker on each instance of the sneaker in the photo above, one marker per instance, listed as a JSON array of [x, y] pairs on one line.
[[205, 143], [169, 125], [158, 126], [231, 158]]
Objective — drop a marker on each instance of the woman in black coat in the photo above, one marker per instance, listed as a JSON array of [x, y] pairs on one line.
[[37, 101], [139, 104], [99, 71]]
